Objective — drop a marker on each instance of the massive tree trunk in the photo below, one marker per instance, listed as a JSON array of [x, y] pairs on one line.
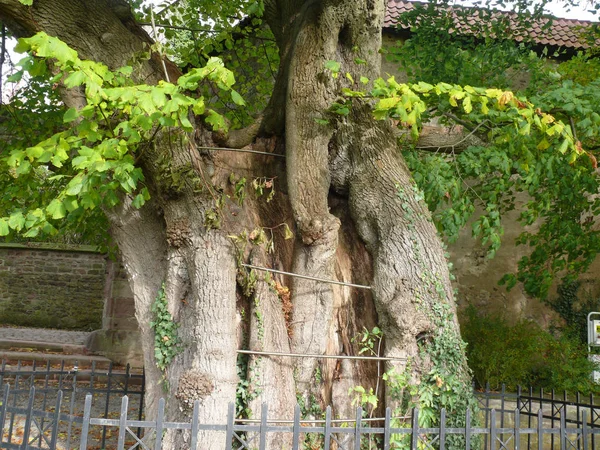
[[345, 191]]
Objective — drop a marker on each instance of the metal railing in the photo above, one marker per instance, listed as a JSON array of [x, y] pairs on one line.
[[52, 390], [74, 407], [41, 430]]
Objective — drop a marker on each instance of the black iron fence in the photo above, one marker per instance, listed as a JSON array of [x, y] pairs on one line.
[[100, 407], [542, 408], [43, 402]]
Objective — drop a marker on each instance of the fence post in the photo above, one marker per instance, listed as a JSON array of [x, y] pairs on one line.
[[160, 417], [386, 429], [487, 412], [563, 429], [357, 428], [195, 422], [415, 429], [56, 420], [517, 432], [552, 415], [230, 423], [493, 429], [468, 430], [296, 435], [3, 409], [75, 371], [123, 423], [593, 417], [584, 431], [28, 417], [85, 426], [540, 429], [442, 434], [327, 428], [107, 403], [42, 420], [502, 406], [264, 411]]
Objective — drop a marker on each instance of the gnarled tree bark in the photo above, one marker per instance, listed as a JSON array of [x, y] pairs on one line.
[[344, 189]]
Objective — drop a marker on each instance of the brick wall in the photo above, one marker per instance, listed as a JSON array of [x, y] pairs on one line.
[[48, 287]]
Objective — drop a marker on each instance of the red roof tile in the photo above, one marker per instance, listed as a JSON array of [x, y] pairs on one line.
[[562, 32]]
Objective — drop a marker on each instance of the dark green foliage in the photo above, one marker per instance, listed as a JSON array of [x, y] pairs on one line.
[[573, 306], [559, 188], [235, 32], [524, 354]]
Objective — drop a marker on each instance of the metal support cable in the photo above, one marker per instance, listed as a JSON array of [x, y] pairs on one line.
[[241, 150], [307, 277], [366, 419], [309, 355]]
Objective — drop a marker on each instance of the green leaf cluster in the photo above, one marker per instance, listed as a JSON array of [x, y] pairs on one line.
[[94, 159]]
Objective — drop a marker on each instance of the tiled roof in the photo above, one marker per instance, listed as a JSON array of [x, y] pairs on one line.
[[562, 32]]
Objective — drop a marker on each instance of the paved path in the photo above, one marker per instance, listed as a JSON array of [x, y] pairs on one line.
[[44, 335]]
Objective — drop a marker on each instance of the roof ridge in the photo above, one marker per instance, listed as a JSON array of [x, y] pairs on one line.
[[560, 33]]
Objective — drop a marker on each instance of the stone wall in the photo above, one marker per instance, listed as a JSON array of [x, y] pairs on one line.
[[43, 286]]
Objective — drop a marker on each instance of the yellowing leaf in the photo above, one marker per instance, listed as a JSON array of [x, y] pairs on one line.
[[505, 98], [467, 106], [387, 103], [543, 145]]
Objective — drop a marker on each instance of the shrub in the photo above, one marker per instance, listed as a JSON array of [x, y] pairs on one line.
[[524, 354]]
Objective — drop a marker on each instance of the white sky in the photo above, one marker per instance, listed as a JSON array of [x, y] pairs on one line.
[[558, 9]]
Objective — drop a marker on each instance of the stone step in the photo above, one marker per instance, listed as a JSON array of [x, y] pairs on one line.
[[53, 357], [22, 345]]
